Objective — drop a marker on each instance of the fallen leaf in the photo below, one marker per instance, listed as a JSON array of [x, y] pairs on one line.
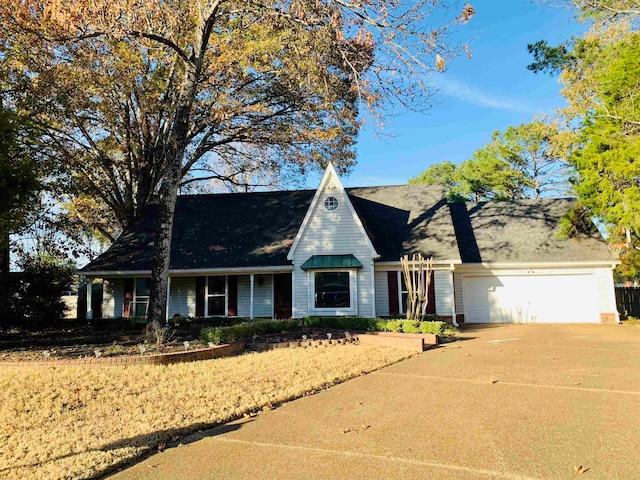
[[162, 446], [579, 469], [494, 382]]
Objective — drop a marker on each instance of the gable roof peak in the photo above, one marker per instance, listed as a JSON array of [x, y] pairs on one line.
[[331, 181]]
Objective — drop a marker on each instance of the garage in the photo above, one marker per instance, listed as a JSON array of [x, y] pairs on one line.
[[531, 299]]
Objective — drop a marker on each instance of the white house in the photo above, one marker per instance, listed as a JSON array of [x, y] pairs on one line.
[[336, 251]]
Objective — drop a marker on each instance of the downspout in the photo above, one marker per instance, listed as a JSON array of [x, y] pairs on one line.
[[373, 289], [453, 303], [251, 282]]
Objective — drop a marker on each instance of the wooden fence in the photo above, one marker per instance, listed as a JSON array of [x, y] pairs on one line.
[[628, 301]]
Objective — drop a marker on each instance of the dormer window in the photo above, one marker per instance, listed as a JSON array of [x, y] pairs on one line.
[[331, 203]]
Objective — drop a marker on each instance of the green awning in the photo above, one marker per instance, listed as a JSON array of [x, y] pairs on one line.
[[331, 261]]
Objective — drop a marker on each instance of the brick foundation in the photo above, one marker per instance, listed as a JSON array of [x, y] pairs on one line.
[[608, 318]]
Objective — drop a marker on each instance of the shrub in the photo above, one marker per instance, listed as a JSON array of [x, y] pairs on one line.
[[436, 328], [233, 333], [37, 290], [391, 326], [341, 323], [114, 349], [179, 321], [411, 326], [376, 324]]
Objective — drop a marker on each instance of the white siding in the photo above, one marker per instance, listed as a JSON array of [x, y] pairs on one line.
[[332, 233], [183, 297], [444, 292], [244, 295], [606, 291], [382, 294], [117, 284], [458, 290], [262, 296], [109, 298]]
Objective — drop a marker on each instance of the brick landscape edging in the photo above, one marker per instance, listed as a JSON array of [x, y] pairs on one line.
[[412, 341], [156, 359]]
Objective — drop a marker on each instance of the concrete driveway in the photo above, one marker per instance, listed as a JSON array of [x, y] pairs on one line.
[[506, 402]]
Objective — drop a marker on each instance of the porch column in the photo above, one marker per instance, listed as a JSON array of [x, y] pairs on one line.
[[89, 282], [454, 320], [168, 297], [251, 279]]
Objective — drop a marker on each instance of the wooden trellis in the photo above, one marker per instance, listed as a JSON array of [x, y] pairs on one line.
[[417, 276]]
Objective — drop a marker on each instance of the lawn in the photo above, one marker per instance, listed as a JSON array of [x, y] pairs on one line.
[[70, 422]]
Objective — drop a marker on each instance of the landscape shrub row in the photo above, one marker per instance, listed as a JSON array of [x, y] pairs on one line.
[[376, 324], [233, 333]]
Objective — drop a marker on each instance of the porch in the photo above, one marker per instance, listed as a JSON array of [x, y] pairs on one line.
[[251, 295]]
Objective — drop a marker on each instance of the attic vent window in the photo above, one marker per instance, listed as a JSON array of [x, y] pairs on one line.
[[331, 203]]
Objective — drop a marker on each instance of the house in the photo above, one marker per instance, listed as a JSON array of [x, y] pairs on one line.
[[336, 251]]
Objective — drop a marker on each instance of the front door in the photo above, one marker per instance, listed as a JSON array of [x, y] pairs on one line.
[[282, 295]]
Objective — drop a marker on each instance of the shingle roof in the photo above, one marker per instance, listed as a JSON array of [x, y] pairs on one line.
[[521, 231], [257, 229], [406, 219]]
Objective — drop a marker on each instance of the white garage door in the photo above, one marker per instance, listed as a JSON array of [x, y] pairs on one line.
[[527, 299]]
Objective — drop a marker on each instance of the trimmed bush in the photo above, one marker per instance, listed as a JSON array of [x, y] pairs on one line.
[[233, 333], [376, 324], [346, 323]]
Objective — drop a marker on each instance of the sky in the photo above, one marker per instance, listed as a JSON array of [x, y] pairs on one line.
[[478, 96]]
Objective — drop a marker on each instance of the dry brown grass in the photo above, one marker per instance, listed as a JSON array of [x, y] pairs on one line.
[[70, 422]]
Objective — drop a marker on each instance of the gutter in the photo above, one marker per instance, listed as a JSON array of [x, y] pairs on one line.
[[187, 272]]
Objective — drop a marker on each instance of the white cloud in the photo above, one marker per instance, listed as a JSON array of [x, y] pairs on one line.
[[467, 93]]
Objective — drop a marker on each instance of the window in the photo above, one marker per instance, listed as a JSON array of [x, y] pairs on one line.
[[331, 203], [141, 292], [404, 293], [217, 296], [332, 290]]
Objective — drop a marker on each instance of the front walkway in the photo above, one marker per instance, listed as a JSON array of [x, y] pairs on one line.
[[509, 402]]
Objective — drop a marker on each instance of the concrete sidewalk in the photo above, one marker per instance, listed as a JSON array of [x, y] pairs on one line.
[[506, 402]]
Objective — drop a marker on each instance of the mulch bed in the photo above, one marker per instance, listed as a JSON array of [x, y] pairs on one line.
[[83, 342]]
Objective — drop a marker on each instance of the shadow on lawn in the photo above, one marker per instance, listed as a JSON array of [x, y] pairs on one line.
[[154, 441], [164, 439]]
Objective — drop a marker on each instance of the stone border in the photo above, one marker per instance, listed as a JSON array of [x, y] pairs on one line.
[[157, 359], [412, 341], [260, 347]]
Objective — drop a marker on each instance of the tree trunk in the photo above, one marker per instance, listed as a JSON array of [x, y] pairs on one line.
[[172, 175], [157, 312], [4, 277]]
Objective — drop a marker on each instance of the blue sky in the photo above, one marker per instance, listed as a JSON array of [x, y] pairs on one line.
[[488, 92]]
